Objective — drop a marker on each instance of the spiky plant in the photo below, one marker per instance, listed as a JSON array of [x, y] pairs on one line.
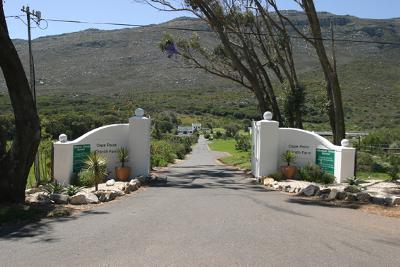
[[289, 157], [96, 166], [123, 155]]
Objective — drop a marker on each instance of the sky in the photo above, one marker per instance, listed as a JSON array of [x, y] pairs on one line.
[[132, 12]]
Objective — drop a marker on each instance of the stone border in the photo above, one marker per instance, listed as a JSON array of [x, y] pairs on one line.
[[331, 193]]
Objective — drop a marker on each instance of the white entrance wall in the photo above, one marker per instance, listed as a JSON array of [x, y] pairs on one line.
[[270, 142], [106, 140]]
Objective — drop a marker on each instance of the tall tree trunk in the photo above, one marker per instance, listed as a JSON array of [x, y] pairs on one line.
[[17, 161], [333, 87]]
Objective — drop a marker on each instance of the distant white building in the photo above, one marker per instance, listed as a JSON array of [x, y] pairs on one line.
[[189, 130]]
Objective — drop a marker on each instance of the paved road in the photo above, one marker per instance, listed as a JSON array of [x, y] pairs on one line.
[[206, 215]]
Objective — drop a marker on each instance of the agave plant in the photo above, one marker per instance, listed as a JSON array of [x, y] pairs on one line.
[[123, 155], [72, 190], [96, 166]]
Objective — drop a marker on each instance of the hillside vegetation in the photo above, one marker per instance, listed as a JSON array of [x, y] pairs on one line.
[[97, 77]]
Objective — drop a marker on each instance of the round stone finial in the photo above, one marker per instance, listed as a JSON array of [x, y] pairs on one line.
[[63, 138], [267, 115], [345, 143], [139, 112]]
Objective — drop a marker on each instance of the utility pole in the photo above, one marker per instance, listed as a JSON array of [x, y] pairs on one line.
[[36, 16]]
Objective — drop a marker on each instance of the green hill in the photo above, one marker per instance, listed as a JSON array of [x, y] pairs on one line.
[[97, 70]]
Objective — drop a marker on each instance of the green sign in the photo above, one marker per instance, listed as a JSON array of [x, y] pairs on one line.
[[80, 154], [326, 160]]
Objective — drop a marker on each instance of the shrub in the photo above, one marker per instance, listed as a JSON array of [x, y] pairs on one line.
[[207, 136], [82, 179], [231, 130], [242, 142], [394, 167], [96, 167], [314, 173], [218, 135], [162, 153]]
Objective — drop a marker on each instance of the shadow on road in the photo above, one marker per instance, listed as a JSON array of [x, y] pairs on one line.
[[40, 226], [322, 203]]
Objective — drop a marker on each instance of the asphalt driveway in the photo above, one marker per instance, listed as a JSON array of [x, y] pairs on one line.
[[206, 214]]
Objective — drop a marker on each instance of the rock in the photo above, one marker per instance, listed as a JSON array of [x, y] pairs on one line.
[[341, 195], [363, 197], [135, 182], [110, 182], [392, 201], [286, 188], [39, 197], [59, 198], [332, 195], [309, 191], [268, 181], [352, 189], [105, 196], [324, 191], [118, 193], [277, 186], [84, 198], [292, 190], [323, 196], [351, 197], [33, 190], [378, 200]]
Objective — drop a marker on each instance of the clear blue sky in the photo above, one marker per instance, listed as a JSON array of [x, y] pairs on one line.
[[129, 11]]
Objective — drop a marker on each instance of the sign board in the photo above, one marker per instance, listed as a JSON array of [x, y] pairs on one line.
[[325, 158], [80, 154]]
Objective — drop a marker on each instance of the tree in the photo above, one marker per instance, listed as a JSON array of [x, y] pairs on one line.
[[16, 161], [335, 111], [254, 50]]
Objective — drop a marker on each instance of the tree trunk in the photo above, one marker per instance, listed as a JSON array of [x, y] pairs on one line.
[[333, 87], [17, 161]]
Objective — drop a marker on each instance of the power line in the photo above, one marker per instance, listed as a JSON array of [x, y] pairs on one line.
[[210, 31]]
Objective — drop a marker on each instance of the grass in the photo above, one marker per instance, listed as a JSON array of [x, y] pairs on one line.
[[373, 175], [237, 158]]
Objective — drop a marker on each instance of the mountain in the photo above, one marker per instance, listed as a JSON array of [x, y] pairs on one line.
[[128, 63]]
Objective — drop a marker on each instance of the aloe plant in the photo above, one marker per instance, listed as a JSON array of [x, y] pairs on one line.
[[96, 166]]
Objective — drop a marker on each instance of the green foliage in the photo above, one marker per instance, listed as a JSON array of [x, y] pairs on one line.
[[72, 190], [394, 169], [383, 138], [96, 167], [353, 181], [352, 189], [218, 135], [289, 157], [231, 130], [242, 142], [314, 173], [83, 179], [162, 153], [170, 147], [123, 155], [54, 188]]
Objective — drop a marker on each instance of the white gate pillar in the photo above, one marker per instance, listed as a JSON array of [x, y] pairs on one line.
[[139, 144], [267, 152]]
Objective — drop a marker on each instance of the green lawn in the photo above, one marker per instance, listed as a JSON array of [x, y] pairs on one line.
[[238, 158], [372, 175]]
